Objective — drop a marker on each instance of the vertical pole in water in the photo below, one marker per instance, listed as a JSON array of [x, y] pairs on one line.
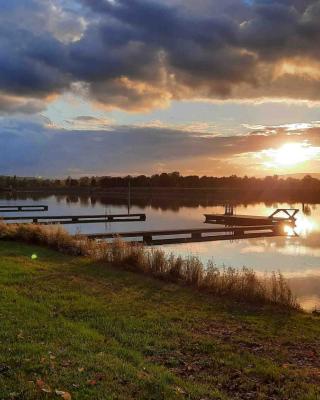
[[129, 195], [228, 209]]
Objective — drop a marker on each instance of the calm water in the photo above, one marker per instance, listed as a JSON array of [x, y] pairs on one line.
[[298, 258]]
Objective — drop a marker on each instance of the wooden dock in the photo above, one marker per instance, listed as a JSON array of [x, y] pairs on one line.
[[75, 219], [229, 219], [177, 236], [22, 208]]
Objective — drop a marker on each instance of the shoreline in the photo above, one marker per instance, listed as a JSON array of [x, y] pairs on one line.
[[174, 194]]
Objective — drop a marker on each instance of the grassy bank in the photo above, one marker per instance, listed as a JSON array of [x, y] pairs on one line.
[[239, 284], [74, 328]]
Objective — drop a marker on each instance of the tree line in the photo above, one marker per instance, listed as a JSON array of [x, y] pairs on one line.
[[172, 180]]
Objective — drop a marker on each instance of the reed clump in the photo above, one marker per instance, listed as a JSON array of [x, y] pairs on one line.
[[241, 284], [52, 236]]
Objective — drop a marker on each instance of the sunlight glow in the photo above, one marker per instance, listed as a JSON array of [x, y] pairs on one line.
[[288, 230], [304, 226], [290, 154]]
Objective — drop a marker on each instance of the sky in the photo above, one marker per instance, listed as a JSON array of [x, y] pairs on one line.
[[117, 87]]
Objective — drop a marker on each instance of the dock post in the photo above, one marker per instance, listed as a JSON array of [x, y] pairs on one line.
[[129, 195], [228, 209], [147, 239], [241, 232]]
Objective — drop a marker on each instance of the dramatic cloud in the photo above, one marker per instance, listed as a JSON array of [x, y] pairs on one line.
[[141, 54], [38, 148]]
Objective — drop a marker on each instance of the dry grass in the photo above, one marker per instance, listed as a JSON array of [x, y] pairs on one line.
[[242, 284]]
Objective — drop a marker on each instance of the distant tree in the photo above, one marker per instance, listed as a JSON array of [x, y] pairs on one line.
[[84, 181]]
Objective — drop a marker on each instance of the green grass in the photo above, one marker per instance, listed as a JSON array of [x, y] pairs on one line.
[[243, 284], [98, 332]]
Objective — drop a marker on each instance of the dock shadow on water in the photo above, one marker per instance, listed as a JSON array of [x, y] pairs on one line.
[[297, 258]]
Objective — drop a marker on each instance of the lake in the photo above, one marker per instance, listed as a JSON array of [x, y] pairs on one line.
[[298, 258]]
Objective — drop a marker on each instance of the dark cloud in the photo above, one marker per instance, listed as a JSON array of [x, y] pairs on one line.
[[139, 54], [30, 64]]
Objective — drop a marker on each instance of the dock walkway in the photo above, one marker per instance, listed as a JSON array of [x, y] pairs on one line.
[[176, 236], [22, 208], [75, 219]]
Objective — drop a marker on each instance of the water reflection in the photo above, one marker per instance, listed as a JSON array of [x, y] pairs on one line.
[[307, 290], [298, 258], [304, 226]]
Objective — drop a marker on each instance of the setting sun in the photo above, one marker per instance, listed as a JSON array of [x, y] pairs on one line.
[[290, 154]]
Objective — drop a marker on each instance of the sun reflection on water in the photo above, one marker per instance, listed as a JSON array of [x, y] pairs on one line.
[[304, 225]]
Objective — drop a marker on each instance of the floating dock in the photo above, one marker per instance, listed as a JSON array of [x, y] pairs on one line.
[[193, 235], [22, 208], [229, 219], [75, 219]]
